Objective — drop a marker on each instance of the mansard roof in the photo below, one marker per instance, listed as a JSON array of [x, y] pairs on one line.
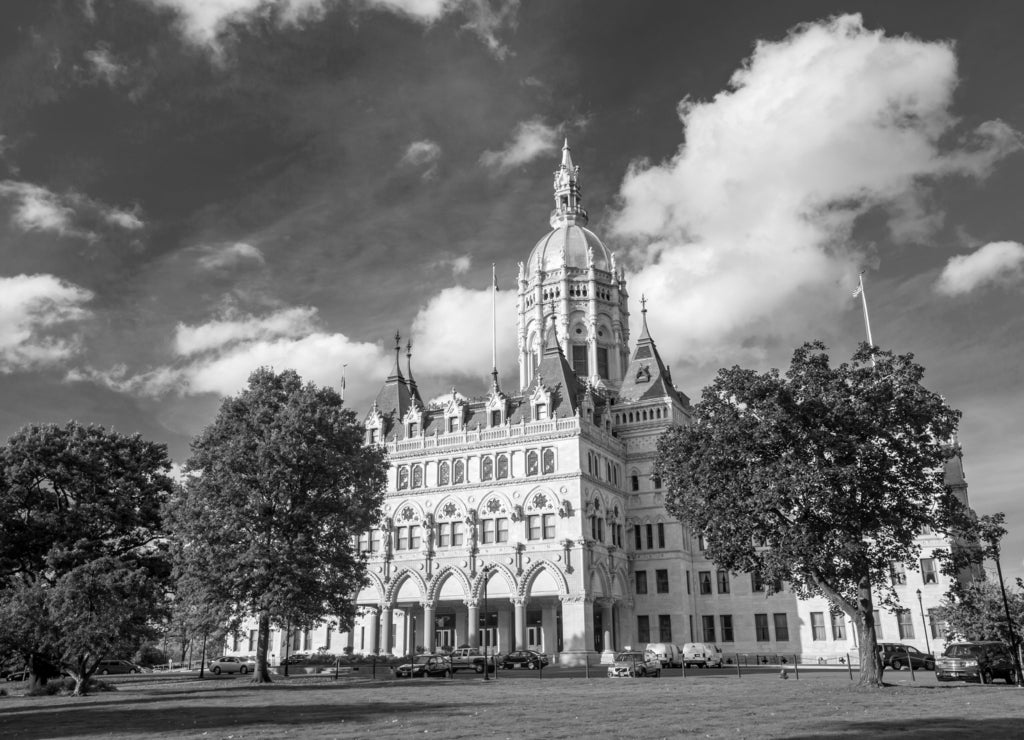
[[647, 378]]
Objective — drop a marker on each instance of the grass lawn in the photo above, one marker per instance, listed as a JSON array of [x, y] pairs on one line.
[[759, 706]]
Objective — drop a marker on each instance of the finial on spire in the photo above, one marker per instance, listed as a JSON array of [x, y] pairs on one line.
[[408, 348], [643, 303], [398, 341]]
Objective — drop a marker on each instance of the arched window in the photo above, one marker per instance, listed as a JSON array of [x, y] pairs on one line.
[[502, 467], [532, 463], [403, 478], [417, 476], [549, 461], [459, 472], [486, 468], [442, 473]]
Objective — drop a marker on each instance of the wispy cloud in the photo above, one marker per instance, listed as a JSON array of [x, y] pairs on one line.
[[230, 256], [531, 139], [104, 66], [37, 317], [69, 214], [996, 263], [424, 153], [755, 212]]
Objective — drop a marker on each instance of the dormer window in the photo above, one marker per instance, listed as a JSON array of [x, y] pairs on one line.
[[540, 412], [413, 428], [453, 424], [371, 436], [496, 418]]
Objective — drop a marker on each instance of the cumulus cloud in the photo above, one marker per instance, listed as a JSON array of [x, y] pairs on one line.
[[35, 314], [424, 153], [203, 20], [452, 333], [104, 66], [530, 140], [69, 214], [218, 356], [996, 263], [230, 256], [742, 236]]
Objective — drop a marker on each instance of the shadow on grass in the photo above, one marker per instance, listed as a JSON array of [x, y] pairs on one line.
[[917, 728], [136, 721]]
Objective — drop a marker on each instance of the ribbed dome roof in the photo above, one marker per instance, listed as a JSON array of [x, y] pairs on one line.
[[567, 246]]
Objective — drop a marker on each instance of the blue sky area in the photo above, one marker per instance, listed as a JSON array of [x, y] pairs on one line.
[[191, 189]]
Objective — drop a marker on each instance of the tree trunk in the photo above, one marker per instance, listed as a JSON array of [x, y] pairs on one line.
[[262, 672], [39, 671], [867, 637]]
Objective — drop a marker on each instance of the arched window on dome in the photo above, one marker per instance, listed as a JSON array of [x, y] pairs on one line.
[[532, 463], [502, 467], [459, 472], [403, 478], [417, 476], [443, 477], [486, 468], [549, 461]]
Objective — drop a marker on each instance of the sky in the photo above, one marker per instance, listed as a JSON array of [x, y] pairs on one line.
[[190, 189]]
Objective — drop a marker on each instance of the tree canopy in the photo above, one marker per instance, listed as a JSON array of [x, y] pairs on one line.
[[277, 487], [820, 477], [82, 570]]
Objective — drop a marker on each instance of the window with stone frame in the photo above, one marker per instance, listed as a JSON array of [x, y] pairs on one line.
[[725, 621], [580, 365], [417, 476], [458, 472], [634, 482], [722, 576], [704, 579], [403, 477], [661, 535], [661, 580], [414, 537], [781, 626], [905, 623], [502, 467], [532, 463], [486, 468], [643, 628], [443, 473], [938, 626], [838, 626], [665, 627], [540, 412], [650, 536], [708, 627], [817, 626], [602, 362], [401, 538], [897, 573], [640, 580], [756, 582], [929, 575], [638, 538], [761, 632], [549, 461]]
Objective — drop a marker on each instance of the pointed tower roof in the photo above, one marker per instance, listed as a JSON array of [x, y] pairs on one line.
[[647, 377], [566, 155], [394, 397], [555, 373], [414, 393]]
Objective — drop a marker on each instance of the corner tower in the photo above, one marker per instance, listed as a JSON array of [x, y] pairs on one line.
[[571, 285]]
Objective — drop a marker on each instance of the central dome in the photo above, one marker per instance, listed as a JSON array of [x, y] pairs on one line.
[[569, 246]]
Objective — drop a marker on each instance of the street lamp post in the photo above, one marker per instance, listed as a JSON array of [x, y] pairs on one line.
[[487, 623], [1018, 676], [927, 645]]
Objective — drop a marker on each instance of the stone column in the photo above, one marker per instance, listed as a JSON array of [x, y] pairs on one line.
[[372, 619], [386, 630], [473, 624], [519, 604], [627, 623], [550, 620], [577, 629], [607, 643], [428, 626]]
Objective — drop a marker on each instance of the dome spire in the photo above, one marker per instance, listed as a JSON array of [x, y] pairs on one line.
[[568, 195]]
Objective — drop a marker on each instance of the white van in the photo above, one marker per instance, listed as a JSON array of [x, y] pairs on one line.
[[666, 652], [702, 655]]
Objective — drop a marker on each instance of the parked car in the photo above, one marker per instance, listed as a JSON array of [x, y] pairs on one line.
[[426, 665], [524, 659], [975, 661], [702, 655], [670, 655], [633, 664], [229, 664], [896, 655], [117, 666], [17, 676]]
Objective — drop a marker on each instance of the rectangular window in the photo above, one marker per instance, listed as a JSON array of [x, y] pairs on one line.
[[501, 529], [687, 582], [704, 579], [579, 360], [375, 540], [253, 637], [307, 642], [444, 535], [839, 626], [726, 624], [661, 535], [453, 424], [905, 621], [327, 643], [938, 627], [414, 537], [723, 581], [640, 577], [878, 625], [456, 534], [373, 436], [413, 428], [236, 642], [533, 527], [897, 573], [761, 633], [541, 412], [756, 582], [634, 482], [638, 537], [400, 538], [661, 580], [600, 530], [643, 628], [817, 625], [593, 527], [656, 481], [650, 536], [701, 544], [781, 627], [929, 576], [708, 623], [602, 362], [665, 627], [487, 531], [496, 418], [548, 524]]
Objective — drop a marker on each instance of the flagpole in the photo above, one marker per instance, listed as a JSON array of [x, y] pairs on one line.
[[343, 382], [864, 302], [494, 325]]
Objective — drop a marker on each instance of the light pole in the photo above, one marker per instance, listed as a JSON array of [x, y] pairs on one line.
[[927, 645], [487, 621], [1018, 677]]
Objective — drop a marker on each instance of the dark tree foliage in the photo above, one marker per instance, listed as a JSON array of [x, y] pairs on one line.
[[977, 612], [820, 477], [81, 566], [278, 486]]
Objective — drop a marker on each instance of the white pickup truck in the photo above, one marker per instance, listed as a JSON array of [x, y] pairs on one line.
[[466, 657]]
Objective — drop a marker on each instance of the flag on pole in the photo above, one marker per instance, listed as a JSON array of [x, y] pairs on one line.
[[494, 278], [858, 290]]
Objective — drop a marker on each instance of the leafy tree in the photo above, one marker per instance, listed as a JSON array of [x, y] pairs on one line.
[[820, 477], [279, 484], [976, 612], [79, 525]]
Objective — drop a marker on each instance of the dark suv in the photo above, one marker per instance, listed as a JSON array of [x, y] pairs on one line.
[[897, 656], [975, 661]]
